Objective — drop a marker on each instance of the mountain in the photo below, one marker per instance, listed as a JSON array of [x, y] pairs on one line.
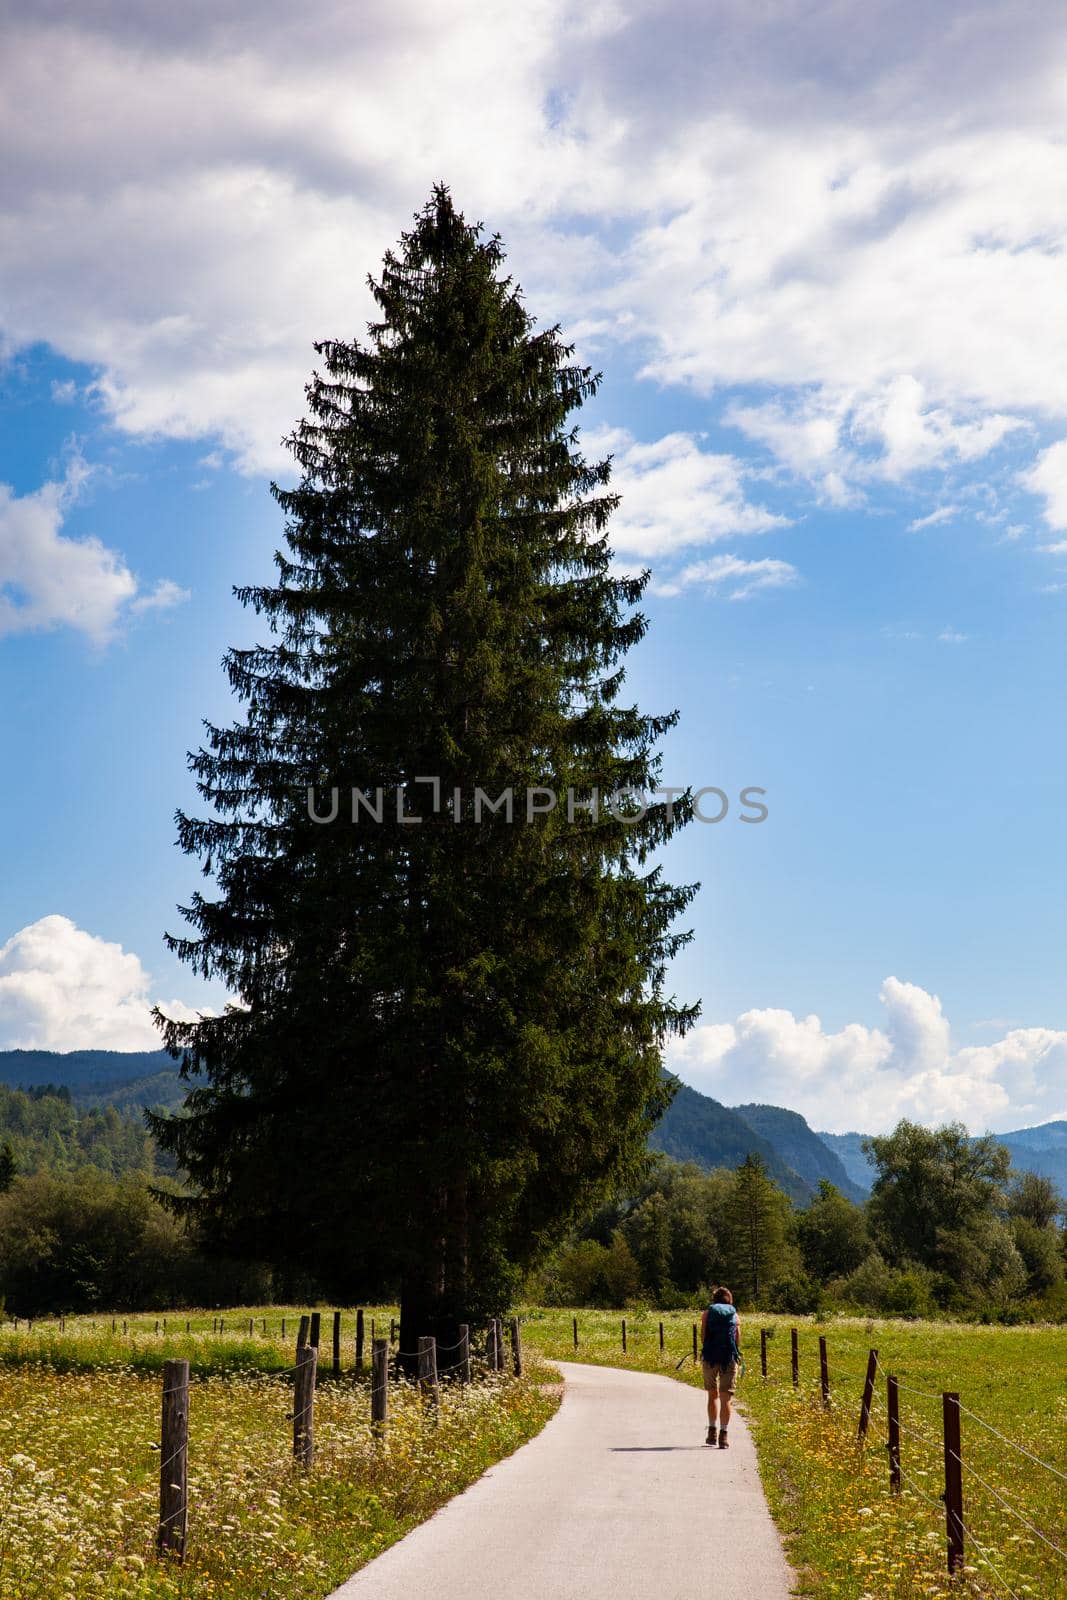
[[1049, 1136], [848, 1148], [1042, 1150], [697, 1128], [694, 1128], [127, 1079], [801, 1149]]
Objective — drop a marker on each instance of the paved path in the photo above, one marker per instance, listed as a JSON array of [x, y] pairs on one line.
[[615, 1499]]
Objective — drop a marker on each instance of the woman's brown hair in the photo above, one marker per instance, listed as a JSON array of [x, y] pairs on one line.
[[722, 1297]]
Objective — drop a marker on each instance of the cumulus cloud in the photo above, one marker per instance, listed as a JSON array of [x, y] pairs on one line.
[[746, 196], [62, 988], [674, 494], [48, 580], [1048, 478], [866, 1079]]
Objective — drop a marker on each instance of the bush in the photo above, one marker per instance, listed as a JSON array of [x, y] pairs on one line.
[[905, 1291], [794, 1292], [70, 1244]]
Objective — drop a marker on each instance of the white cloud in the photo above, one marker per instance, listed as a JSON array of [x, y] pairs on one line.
[[806, 438], [951, 636], [674, 494], [48, 580], [729, 573], [1048, 478], [866, 1079], [162, 597], [865, 225], [935, 518], [64, 989], [914, 435]]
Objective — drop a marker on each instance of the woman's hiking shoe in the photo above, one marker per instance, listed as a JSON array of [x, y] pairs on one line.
[[724, 1443], [712, 1430]]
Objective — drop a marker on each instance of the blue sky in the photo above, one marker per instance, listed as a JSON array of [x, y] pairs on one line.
[[824, 287]]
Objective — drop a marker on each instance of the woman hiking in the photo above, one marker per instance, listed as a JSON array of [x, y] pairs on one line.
[[720, 1350]]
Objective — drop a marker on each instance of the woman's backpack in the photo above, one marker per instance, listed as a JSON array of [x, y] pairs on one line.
[[720, 1336]]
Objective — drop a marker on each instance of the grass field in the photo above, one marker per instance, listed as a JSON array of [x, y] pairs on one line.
[[79, 1414], [79, 1417], [847, 1535]]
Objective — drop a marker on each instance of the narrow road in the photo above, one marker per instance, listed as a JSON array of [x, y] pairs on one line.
[[617, 1498]]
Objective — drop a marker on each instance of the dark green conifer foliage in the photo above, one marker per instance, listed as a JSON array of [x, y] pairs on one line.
[[451, 1046]]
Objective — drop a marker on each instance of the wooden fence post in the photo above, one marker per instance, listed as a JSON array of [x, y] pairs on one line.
[[950, 1412], [694, 1341], [575, 1320], [173, 1461], [498, 1344], [824, 1371], [359, 1340], [316, 1330], [222, 1324], [379, 1385], [302, 1334], [337, 1344], [892, 1405], [516, 1347], [307, 1362], [796, 1356], [283, 1329], [624, 1335], [392, 1329], [868, 1394], [763, 1351], [464, 1352], [251, 1326], [661, 1336], [428, 1369]]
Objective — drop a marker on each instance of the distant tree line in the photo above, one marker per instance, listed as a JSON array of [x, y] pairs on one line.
[[949, 1228]]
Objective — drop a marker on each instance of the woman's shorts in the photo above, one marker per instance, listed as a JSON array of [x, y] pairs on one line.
[[720, 1378]]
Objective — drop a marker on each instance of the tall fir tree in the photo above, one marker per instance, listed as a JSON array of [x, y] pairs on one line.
[[449, 1038]]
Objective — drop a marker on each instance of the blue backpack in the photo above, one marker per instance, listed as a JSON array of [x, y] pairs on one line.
[[720, 1336]]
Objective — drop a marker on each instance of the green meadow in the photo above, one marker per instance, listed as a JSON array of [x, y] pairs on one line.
[[847, 1535], [79, 1462], [79, 1416]]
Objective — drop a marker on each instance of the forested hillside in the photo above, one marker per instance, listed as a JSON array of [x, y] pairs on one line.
[[125, 1079], [804, 1151], [699, 1129], [42, 1130]]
